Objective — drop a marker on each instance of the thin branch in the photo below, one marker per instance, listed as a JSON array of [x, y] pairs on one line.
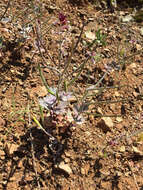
[[8, 4], [52, 68], [137, 187], [40, 43], [32, 150], [40, 126], [79, 38], [44, 81], [66, 65]]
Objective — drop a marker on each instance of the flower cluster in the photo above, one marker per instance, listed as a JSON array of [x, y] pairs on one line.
[[62, 19], [57, 103]]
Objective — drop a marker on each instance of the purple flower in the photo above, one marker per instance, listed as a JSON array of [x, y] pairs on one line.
[[113, 142], [132, 41], [62, 18], [49, 101], [64, 99]]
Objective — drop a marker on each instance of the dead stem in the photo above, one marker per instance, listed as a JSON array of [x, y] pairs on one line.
[[39, 41], [137, 187], [32, 150], [8, 4]]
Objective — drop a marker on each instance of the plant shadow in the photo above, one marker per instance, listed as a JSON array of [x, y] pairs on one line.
[[12, 61], [36, 147]]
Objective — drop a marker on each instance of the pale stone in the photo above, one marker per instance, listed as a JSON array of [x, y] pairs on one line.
[[99, 110], [139, 47], [137, 151], [106, 124], [90, 35], [65, 167], [82, 171], [11, 148], [108, 121], [127, 18], [133, 65], [85, 169], [2, 122], [122, 149], [67, 160], [67, 154], [119, 119], [141, 31], [2, 154], [117, 94]]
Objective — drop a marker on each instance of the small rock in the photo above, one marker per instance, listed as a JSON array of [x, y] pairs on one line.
[[135, 94], [104, 184], [67, 160], [106, 124], [8, 78], [127, 18], [67, 154], [140, 108], [65, 167], [119, 126], [113, 107], [122, 149], [2, 122], [90, 35], [117, 94], [6, 104], [133, 65], [137, 151], [2, 154], [42, 91], [11, 148], [139, 47], [119, 173], [141, 31], [91, 118], [85, 169], [119, 119], [99, 110], [121, 13], [105, 173], [87, 133], [12, 71]]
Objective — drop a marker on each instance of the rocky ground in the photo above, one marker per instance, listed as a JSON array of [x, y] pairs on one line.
[[106, 150]]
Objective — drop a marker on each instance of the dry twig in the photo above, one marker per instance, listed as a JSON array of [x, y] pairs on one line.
[[137, 187], [8, 4], [32, 150]]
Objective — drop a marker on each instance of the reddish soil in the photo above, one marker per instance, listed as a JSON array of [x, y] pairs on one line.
[[95, 155]]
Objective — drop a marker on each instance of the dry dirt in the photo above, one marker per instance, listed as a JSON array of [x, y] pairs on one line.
[[94, 155]]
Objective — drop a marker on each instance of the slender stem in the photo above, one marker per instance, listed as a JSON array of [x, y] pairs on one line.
[[39, 40], [52, 68], [66, 66], [79, 38], [40, 126], [32, 149], [8, 4], [44, 81]]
